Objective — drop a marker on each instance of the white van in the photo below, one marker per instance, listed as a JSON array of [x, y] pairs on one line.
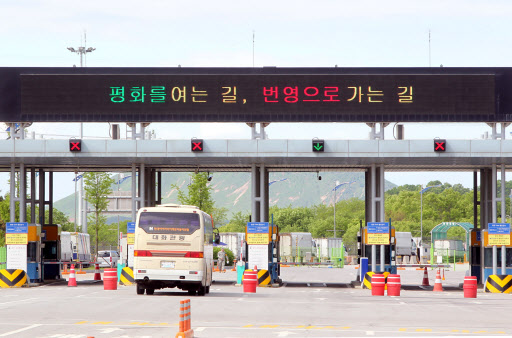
[[108, 258], [173, 248]]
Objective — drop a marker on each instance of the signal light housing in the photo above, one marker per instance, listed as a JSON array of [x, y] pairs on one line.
[[318, 145], [439, 145], [75, 145], [196, 145]]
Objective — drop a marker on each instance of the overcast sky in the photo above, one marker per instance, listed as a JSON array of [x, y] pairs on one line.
[[166, 33]]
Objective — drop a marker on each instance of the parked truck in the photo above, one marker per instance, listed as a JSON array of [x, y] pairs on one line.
[[75, 247], [405, 245]]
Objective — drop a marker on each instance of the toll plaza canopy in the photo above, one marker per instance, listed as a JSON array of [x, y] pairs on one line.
[[440, 231]]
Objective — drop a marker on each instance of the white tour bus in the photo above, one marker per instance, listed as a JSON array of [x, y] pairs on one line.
[[174, 248]]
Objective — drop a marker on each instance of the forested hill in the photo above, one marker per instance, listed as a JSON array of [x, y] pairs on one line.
[[231, 190]]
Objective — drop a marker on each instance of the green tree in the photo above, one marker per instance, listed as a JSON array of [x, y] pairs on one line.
[[97, 187], [199, 194], [60, 218], [237, 223]]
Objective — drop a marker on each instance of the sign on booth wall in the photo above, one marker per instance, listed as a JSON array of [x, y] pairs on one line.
[[378, 233], [16, 238], [130, 239], [257, 233], [16, 233], [17, 257], [499, 234], [258, 256]]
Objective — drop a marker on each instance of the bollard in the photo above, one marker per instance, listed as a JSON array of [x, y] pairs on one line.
[[185, 325], [394, 285], [110, 279], [378, 284], [250, 281], [470, 287]]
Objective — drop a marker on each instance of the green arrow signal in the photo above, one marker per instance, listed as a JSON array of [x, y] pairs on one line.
[[318, 146]]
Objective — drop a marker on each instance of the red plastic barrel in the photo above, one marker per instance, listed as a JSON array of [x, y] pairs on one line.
[[110, 279], [394, 285], [250, 281], [378, 284], [470, 287]]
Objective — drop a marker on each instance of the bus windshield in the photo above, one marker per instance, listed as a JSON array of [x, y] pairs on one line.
[[169, 223]]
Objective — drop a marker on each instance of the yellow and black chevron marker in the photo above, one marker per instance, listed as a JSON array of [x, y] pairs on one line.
[[498, 284], [367, 282], [263, 277], [126, 276], [12, 278]]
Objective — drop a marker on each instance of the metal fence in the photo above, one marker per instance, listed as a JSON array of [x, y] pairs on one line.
[[449, 256], [3, 257]]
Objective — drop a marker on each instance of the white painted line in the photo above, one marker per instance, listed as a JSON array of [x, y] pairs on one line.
[[370, 333], [20, 330], [110, 330], [199, 329], [17, 301]]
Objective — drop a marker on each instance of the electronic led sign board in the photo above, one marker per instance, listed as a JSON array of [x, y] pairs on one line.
[[257, 98]]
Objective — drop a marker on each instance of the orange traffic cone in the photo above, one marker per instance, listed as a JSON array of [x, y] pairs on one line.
[[438, 286], [81, 272], [234, 265], [425, 278], [443, 274], [65, 272], [72, 278], [97, 274]]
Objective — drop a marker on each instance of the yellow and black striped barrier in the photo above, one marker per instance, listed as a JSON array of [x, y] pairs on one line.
[[367, 282], [126, 276], [263, 277], [498, 284], [12, 278]]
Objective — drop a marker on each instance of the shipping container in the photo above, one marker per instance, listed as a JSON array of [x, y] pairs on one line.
[[235, 241], [324, 247], [405, 245], [294, 246], [75, 246]]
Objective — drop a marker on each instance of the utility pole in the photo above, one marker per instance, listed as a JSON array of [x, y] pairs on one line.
[[82, 207]]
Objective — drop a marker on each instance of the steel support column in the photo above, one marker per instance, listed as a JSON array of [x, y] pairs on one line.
[[259, 193], [374, 200]]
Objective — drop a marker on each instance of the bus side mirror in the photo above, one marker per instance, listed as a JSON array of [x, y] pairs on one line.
[[216, 236]]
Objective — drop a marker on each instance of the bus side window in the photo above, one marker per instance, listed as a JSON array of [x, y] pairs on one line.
[[208, 231]]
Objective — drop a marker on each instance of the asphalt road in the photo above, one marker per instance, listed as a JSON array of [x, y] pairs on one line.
[[55, 310]]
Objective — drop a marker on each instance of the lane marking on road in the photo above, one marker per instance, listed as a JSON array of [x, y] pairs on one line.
[[110, 330], [132, 323], [18, 301], [199, 329], [19, 330], [370, 333]]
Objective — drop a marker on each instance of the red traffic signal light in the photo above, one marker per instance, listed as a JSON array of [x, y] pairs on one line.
[[75, 145], [196, 144], [439, 145]]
